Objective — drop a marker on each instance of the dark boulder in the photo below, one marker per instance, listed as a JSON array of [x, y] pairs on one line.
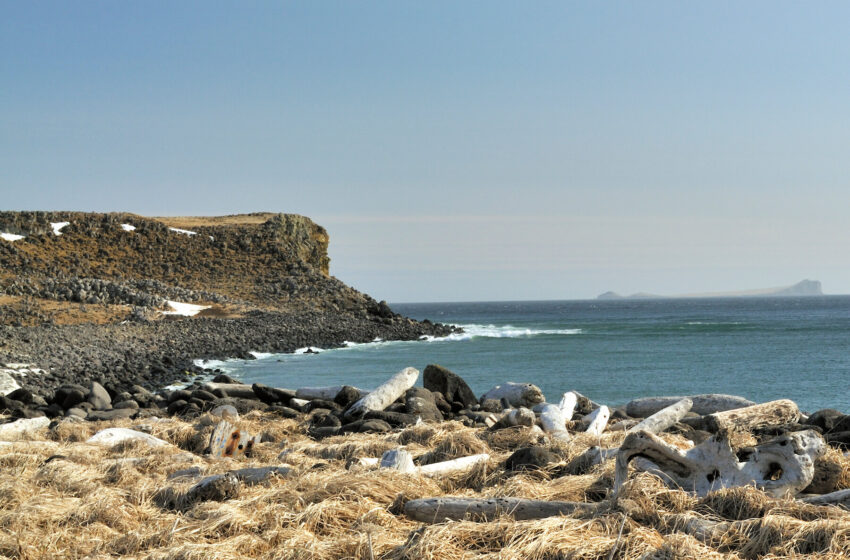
[[72, 397], [529, 458], [21, 395], [224, 378], [825, 419], [452, 386], [420, 402]]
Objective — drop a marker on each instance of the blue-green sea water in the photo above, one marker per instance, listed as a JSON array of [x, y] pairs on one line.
[[610, 351]]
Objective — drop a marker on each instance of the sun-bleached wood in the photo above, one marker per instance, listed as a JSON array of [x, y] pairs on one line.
[[702, 404], [568, 405], [773, 413], [453, 466], [781, 467], [839, 498], [397, 459], [436, 510], [553, 423], [665, 417], [598, 420], [386, 394], [516, 394]]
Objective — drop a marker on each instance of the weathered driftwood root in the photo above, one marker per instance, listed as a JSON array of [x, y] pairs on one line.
[[436, 510], [516, 394], [774, 413], [839, 498], [781, 467], [397, 459], [665, 417], [702, 404], [385, 395], [553, 422]]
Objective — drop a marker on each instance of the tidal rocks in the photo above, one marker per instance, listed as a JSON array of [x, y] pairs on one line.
[[452, 386]]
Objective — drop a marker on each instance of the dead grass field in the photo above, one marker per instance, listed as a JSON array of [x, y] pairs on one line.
[[63, 498]]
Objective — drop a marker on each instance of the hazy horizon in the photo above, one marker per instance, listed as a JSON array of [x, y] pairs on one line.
[[482, 151]]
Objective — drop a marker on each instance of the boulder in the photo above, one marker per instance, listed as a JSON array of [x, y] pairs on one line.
[[113, 414], [99, 397], [452, 386], [529, 458], [824, 419], [420, 402]]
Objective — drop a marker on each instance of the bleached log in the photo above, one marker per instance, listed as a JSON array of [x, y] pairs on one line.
[[386, 394], [398, 459], [238, 390], [702, 404], [665, 417], [781, 467], [598, 420], [553, 423], [568, 405], [516, 394], [435, 510], [515, 417], [313, 393], [839, 498], [453, 466], [774, 413], [114, 436]]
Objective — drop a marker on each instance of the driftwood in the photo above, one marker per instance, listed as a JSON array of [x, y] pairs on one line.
[[665, 417], [515, 417], [781, 467], [839, 498], [774, 413], [516, 394], [553, 422], [435, 510], [568, 405], [313, 393], [453, 466], [385, 395], [702, 404], [598, 420]]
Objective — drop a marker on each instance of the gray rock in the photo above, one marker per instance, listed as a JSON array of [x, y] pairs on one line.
[[420, 402], [257, 475], [18, 428], [126, 404], [76, 412], [99, 397], [114, 414]]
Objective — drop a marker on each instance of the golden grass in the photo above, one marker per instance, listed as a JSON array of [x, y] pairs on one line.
[[69, 499]]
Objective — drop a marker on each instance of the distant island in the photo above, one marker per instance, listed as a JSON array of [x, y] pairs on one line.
[[802, 288]]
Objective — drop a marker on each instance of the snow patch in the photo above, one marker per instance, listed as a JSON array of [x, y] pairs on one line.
[[183, 231], [11, 236], [185, 309], [128, 227], [57, 227]]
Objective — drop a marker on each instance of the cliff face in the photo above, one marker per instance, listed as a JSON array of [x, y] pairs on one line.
[[253, 261]]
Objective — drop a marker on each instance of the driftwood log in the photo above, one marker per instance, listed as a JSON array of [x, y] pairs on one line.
[[553, 422], [598, 420], [461, 464], [702, 404], [839, 498], [774, 413], [516, 394], [781, 467], [385, 395], [435, 510], [568, 405], [665, 417]]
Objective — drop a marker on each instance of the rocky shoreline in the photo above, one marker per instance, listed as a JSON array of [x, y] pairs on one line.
[[220, 468], [158, 353]]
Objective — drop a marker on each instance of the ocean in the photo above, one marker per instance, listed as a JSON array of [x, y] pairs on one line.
[[609, 350]]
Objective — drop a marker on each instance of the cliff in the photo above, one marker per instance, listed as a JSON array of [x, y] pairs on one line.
[[124, 263]]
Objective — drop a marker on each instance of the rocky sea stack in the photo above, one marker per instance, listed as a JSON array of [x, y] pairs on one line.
[[103, 297]]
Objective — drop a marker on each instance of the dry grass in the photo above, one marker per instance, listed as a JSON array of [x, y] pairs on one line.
[[68, 499]]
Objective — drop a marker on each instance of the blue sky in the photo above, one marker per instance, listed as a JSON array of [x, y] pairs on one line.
[[455, 150]]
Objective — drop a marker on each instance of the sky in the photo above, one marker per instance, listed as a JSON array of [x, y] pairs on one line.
[[455, 151]]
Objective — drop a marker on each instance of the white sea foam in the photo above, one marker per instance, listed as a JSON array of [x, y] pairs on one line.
[[261, 355], [500, 331], [312, 349], [57, 227]]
